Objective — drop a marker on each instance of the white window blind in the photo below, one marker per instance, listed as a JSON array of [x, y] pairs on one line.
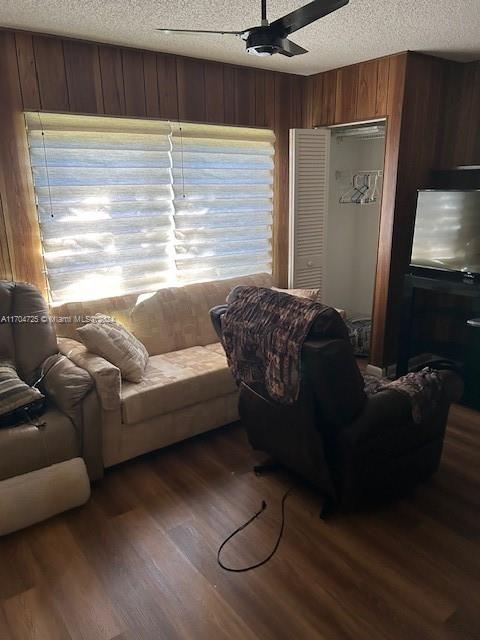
[[131, 205], [222, 179]]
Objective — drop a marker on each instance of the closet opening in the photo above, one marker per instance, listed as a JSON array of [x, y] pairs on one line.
[[353, 222], [336, 183]]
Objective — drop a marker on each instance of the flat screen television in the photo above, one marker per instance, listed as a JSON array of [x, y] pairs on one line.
[[447, 231]]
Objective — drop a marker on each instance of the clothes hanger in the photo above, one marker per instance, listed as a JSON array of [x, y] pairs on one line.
[[364, 198], [355, 191], [371, 194], [362, 189]]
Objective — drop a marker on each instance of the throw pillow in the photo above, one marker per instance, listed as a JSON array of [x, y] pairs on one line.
[[112, 341], [18, 401], [311, 294]]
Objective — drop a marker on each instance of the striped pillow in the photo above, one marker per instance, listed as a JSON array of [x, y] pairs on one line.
[[15, 394]]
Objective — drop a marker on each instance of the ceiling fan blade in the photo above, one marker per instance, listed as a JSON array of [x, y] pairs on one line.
[[291, 49], [305, 15], [201, 31]]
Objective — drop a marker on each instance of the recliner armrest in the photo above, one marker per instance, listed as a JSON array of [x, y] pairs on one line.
[[72, 390], [384, 411], [106, 376], [216, 314], [388, 410], [66, 384]]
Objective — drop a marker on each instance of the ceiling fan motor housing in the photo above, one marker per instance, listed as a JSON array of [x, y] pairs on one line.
[[261, 41]]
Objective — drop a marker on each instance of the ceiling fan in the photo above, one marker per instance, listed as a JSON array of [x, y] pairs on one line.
[[270, 38]]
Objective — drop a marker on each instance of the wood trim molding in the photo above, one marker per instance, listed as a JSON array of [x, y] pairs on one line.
[[18, 203], [395, 93], [5, 264]]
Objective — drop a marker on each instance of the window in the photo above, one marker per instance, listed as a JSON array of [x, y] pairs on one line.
[[132, 205]]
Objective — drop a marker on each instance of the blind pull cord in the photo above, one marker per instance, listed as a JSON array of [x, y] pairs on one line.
[[183, 172], [46, 164]]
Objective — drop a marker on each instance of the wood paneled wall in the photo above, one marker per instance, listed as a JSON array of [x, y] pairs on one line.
[[55, 74], [19, 232], [354, 93], [460, 126]]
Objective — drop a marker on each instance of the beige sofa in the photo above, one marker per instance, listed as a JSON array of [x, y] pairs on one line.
[[187, 388]]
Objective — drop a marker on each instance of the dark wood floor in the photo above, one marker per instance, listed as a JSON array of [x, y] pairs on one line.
[[139, 560]]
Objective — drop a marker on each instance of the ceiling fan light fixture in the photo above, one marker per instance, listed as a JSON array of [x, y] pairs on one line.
[[263, 52]]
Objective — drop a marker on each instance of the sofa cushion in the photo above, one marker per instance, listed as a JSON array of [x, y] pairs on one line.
[[176, 380], [178, 317], [216, 347], [79, 313]]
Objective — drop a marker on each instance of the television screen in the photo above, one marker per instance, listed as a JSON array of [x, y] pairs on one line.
[[447, 231]]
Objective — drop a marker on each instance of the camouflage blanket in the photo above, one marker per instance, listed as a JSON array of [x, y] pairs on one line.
[[263, 334], [423, 389]]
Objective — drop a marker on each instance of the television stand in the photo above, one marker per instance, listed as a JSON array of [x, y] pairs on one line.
[[427, 280]]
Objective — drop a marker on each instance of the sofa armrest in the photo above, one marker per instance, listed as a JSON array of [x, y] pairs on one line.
[[452, 385], [105, 375]]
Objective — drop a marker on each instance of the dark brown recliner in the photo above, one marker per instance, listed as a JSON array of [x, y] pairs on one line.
[[355, 449]]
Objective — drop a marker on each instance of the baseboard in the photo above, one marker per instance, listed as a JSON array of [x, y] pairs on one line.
[[373, 370]]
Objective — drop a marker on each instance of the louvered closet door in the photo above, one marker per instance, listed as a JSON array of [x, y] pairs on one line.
[[309, 175]]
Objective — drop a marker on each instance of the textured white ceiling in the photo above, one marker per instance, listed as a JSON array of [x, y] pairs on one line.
[[362, 30]]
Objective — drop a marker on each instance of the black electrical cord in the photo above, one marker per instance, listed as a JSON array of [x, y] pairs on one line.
[[244, 526]]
